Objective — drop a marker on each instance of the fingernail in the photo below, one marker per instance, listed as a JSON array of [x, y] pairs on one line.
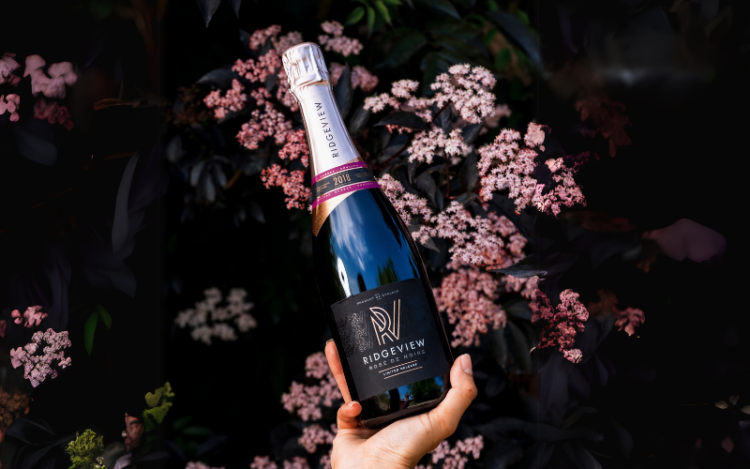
[[327, 341], [351, 403], [466, 364]]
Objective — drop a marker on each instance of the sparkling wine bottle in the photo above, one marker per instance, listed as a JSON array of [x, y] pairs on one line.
[[379, 303]]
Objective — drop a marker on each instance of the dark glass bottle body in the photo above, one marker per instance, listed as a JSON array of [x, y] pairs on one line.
[[362, 245]]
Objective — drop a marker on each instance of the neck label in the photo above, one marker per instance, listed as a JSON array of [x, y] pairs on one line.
[[341, 180]]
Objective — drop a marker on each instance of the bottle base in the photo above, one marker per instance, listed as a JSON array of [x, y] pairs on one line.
[[396, 412]]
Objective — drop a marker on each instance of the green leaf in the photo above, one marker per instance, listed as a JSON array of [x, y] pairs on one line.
[[392, 2], [519, 34], [492, 5], [383, 10], [355, 16], [182, 422], [88, 331], [502, 59], [403, 50], [523, 16], [441, 6], [370, 20], [105, 316]]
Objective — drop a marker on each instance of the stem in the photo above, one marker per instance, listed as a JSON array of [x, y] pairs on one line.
[[448, 179]]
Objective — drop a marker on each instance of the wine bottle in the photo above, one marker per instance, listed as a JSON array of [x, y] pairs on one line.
[[378, 299]]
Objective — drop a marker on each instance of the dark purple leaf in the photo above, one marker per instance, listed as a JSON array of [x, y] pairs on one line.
[[35, 141], [444, 7], [343, 92], [469, 174], [359, 120], [120, 228], [235, 4], [220, 77], [208, 8], [404, 119]]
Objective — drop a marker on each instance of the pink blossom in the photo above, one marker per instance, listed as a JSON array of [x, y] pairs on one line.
[[52, 86], [335, 41], [292, 182], [33, 316], [38, 367], [53, 113], [406, 204], [10, 103], [687, 239], [360, 77], [560, 325], [428, 143], [233, 101], [297, 463], [476, 240], [468, 297], [200, 465], [379, 102], [525, 286], [285, 42], [628, 319], [263, 462], [325, 461], [7, 66], [316, 366], [259, 36], [501, 110], [468, 90], [305, 400], [458, 456], [505, 165], [261, 125], [257, 70], [284, 94], [296, 147], [313, 436]]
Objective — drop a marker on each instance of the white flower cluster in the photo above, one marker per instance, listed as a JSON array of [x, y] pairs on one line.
[[209, 319]]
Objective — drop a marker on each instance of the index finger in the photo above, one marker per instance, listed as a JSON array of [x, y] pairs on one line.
[[334, 362]]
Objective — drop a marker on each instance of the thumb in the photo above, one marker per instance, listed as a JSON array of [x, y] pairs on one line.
[[445, 417]]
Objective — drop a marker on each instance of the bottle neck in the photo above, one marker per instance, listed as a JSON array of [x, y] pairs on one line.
[[329, 140]]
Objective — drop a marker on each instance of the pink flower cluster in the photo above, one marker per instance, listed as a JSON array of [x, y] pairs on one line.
[[468, 297], [264, 462], [10, 104], [51, 84], [33, 316], [296, 147], [360, 77], [428, 143], [458, 456], [505, 165], [609, 119], [233, 101], [406, 204], [7, 66], [628, 319], [200, 465], [305, 400], [336, 41], [315, 435], [258, 70], [280, 44], [465, 88], [262, 125], [53, 113], [476, 240], [209, 319], [292, 182], [560, 325], [37, 367]]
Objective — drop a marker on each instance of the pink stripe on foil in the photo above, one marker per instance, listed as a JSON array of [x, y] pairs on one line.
[[345, 190], [338, 169]]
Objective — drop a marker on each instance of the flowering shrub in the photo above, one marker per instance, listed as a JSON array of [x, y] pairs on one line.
[[306, 399], [209, 319], [38, 366]]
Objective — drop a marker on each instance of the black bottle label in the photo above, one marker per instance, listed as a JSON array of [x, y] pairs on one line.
[[389, 337]]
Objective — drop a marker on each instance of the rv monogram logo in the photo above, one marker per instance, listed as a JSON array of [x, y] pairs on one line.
[[386, 326]]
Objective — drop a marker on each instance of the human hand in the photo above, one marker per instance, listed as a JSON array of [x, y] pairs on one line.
[[402, 443]]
